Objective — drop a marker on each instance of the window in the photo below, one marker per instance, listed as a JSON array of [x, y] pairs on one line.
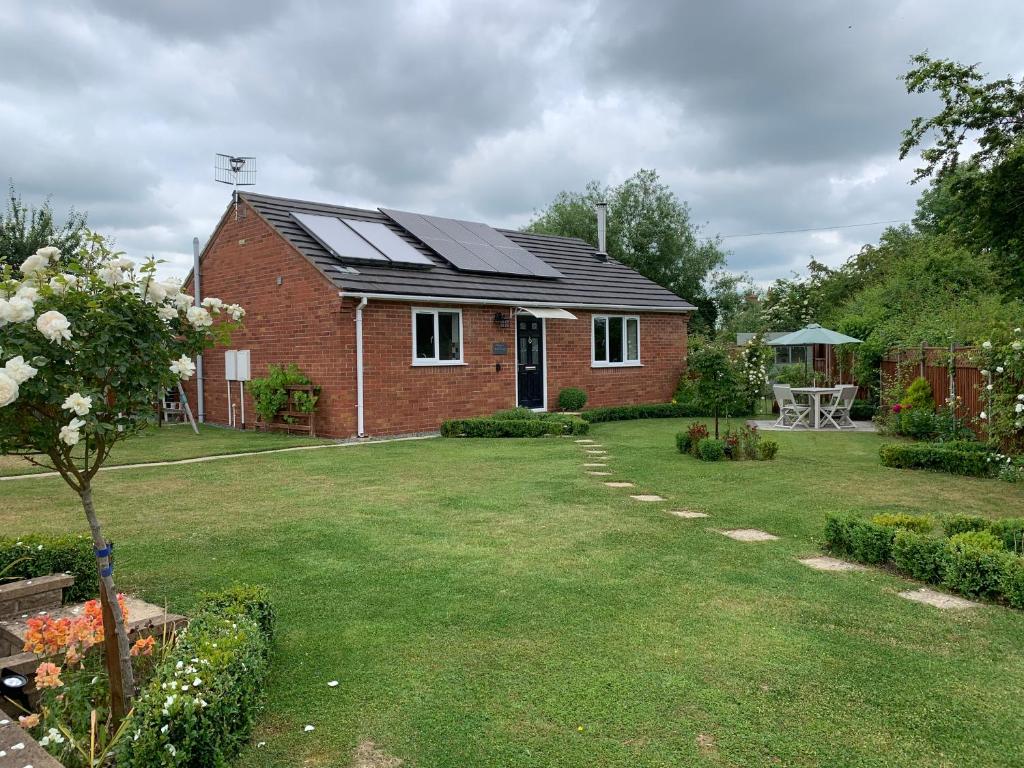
[[436, 337], [790, 355], [616, 340]]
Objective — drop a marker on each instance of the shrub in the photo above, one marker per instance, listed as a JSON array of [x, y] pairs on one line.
[[922, 557], [767, 450], [960, 523], [919, 396], [918, 423], [696, 433], [710, 449], [1011, 584], [538, 425], [976, 564], [683, 442], [41, 555], [226, 649], [863, 410], [857, 538], [269, 394], [942, 457], [1010, 530], [515, 414], [652, 411], [918, 523], [572, 399]]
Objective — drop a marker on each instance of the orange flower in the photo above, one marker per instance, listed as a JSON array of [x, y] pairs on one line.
[[143, 646], [48, 676], [46, 636], [28, 721]]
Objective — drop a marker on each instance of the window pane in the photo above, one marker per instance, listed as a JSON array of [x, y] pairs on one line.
[[600, 339], [448, 333], [614, 339], [797, 354], [632, 339], [425, 335]]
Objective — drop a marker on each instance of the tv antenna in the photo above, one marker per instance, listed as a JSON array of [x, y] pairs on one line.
[[236, 171]]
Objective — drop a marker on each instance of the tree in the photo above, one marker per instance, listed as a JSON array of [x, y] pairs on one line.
[[24, 229], [649, 229], [90, 343], [716, 378]]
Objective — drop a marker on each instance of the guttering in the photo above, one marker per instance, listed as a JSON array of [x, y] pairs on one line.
[[504, 302], [199, 358], [360, 431]]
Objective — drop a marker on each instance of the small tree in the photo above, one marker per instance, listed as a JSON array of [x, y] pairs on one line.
[[88, 352], [24, 229], [716, 378]]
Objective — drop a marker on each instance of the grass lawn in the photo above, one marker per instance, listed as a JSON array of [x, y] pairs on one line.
[[177, 441], [487, 603]]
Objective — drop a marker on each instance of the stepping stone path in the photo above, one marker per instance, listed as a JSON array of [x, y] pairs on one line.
[[597, 453], [687, 514], [938, 599], [583, 441], [749, 534], [595, 464], [592, 472], [647, 497], [830, 564], [620, 485]]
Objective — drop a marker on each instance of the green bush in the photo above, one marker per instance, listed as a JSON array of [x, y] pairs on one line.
[[1012, 582], [919, 396], [863, 410], [269, 394], [922, 557], [918, 523], [537, 425], [960, 523], [177, 721], [1010, 530], [710, 449], [41, 555], [858, 538], [251, 600], [516, 414], [918, 423], [652, 411], [941, 457], [683, 442], [976, 564], [767, 450], [572, 399]]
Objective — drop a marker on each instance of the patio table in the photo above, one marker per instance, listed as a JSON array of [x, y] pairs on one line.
[[815, 394]]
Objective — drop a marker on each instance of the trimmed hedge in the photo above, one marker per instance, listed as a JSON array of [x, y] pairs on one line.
[[918, 523], [1009, 530], [514, 426], [226, 648], [976, 564], [920, 556], [954, 458], [652, 411], [42, 555], [860, 539], [863, 410], [958, 523]]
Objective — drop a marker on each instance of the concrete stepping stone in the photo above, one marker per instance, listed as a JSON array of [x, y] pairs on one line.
[[748, 534], [647, 497], [598, 453], [592, 472], [595, 464], [824, 563], [938, 599], [687, 514], [583, 441], [620, 485]]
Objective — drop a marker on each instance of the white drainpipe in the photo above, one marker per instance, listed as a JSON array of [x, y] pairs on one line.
[[361, 432], [199, 358]]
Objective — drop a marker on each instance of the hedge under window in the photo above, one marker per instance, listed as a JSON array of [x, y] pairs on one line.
[[616, 340], [436, 336]]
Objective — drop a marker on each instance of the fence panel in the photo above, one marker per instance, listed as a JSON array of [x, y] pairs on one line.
[[907, 363]]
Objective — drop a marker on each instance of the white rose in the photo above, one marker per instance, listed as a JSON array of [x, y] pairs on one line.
[[8, 389], [155, 292], [110, 274], [986, 345], [172, 286], [17, 309], [34, 265], [199, 318], [49, 252], [78, 403], [1016, 346], [1018, 407], [999, 369], [983, 372], [183, 301], [63, 283], [213, 304], [19, 370], [988, 387], [1020, 397], [183, 368], [54, 326], [166, 312], [27, 292], [235, 311], [70, 434], [982, 416]]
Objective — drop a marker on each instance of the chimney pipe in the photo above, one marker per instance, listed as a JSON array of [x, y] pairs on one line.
[[602, 223]]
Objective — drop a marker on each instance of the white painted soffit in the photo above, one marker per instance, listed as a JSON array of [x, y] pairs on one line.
[[550, 313]]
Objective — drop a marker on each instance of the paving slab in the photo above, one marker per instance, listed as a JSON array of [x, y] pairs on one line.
[[592, 445], [583, 441], [748, 534], [596, 472], [938, 599], [620, 485], [597, 452], [647, 497], [824, 563], [595, 464], [687, 514]]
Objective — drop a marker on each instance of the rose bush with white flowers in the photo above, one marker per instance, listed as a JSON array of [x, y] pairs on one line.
[[1001, 360], [85, 353]]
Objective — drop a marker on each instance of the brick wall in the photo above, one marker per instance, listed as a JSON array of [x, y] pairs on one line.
[[303, 320]]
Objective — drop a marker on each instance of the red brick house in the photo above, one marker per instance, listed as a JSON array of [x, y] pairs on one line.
[[406, 320]]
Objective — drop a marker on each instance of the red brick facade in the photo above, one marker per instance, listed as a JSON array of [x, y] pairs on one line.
[[294, 314]]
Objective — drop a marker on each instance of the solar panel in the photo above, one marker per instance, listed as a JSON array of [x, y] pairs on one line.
[[337, 238], [388, 243], [471, 246]]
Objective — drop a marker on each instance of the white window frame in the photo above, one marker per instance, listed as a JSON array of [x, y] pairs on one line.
[[436, 311], [606, 363]]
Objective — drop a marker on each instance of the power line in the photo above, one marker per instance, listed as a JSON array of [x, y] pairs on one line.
[[816, 229]]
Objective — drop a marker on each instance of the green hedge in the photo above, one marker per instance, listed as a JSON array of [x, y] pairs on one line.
[[42, 555], [954, 458], [1009, 530], [538, 426], [651, 411], [918, 523], [923, 557], [863, 410], [226, 647], [860, 539], [976, 564]]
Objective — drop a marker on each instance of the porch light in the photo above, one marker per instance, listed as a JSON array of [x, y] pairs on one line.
[[501, 320]]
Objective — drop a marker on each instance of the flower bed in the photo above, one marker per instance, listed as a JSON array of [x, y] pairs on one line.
[[518, 422], [974, 557], [743, 443]]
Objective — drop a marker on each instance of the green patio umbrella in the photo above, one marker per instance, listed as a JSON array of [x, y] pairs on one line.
[[813, 334]]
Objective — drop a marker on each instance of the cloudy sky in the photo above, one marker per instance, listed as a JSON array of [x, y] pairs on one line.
[[763, 116]]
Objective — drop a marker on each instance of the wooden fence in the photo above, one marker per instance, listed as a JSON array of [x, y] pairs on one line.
[[949, 370]]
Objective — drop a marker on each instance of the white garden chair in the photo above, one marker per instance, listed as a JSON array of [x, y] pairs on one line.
[[837, 410], [788, 406]]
